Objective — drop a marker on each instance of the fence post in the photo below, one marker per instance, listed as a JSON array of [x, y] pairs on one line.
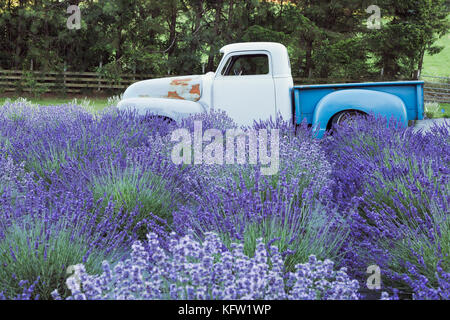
[[99, 75], [65, 81]]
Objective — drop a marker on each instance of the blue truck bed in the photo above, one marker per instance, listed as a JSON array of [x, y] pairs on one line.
[[319, 103]]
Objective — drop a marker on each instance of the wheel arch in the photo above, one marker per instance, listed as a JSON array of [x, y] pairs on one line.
[[360, 100]]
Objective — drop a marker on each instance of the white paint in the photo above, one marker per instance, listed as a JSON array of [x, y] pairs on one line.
[[237, 94], [171, 108], [265, 95]]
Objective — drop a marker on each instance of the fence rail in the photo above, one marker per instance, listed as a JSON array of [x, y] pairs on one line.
[[436, 89], [72, 82]]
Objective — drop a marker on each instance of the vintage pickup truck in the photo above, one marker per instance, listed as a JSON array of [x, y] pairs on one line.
[[253, 82]]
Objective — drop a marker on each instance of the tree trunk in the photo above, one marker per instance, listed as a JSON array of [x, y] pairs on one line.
[[309, 64], [172, 31], [18, 50], [420, 66], [212, 49]]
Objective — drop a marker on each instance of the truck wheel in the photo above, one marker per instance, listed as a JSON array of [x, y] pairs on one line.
[[344, 117], [151, 118]]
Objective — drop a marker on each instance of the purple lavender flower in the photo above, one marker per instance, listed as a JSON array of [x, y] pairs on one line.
[[201, 270]]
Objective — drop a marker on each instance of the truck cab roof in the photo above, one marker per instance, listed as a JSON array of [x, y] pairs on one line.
[[280, 58]]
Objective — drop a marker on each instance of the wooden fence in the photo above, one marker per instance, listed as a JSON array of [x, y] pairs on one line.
[[72, 82], [437, 89]]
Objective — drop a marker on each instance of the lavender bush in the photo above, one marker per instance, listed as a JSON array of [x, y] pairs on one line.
[[194, 270], [79, 188], [136, 189], [243, 205], [36, 250], [242, 213], [43, 230], [301, 158], [395, 184]]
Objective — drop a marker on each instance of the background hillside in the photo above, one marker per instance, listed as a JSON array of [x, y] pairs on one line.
[[439, 64]]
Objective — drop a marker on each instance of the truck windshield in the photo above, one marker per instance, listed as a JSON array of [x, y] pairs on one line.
[[244, 65]]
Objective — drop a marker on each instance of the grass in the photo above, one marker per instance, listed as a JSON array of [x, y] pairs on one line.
[[96, 103], [437, 110], [438, 64]]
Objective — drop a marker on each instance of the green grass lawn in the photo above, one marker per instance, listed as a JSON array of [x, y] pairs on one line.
[[434, 110], [95, 103], [438, 64]]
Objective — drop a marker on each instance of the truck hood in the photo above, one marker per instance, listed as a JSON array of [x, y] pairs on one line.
[[181, 88]]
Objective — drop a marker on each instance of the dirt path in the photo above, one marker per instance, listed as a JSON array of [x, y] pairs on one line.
[[425, 125]]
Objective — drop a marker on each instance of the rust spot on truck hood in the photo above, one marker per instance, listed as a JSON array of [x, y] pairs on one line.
[[180, 82], [181, 88], [185, 88], [174, 95], [195, 89]]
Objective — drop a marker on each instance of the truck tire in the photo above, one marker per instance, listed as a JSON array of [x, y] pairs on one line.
[[150, 118], [345, 117]]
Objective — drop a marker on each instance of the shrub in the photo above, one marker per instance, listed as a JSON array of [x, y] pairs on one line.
[[133, 188], [36, 250], [52, 137], [300, 158], [418, 254], [244, 213], [298, 234], [43, 231], [193, 270], [12, 176], [395, 185]]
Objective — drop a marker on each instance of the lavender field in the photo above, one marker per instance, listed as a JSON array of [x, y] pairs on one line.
[[98, 196]]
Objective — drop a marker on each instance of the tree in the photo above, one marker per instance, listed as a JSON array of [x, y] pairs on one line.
[[410, 30], [325, 38]]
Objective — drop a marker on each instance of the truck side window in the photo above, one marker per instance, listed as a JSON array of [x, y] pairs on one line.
[[246, 65]]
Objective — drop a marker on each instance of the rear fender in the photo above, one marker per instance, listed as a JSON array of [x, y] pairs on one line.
[[365, 101]]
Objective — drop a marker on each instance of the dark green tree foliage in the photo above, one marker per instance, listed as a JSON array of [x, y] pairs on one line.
[[325, 38], [410, 28]]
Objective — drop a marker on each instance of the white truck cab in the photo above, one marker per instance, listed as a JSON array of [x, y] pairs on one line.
[[253, 82]]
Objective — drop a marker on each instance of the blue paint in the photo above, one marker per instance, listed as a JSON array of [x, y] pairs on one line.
[[319, 103]]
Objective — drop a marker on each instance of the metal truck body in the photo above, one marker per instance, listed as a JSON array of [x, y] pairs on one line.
[[253, 82]]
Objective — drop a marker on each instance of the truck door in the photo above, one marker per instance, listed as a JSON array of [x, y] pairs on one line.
[[244, 87]]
